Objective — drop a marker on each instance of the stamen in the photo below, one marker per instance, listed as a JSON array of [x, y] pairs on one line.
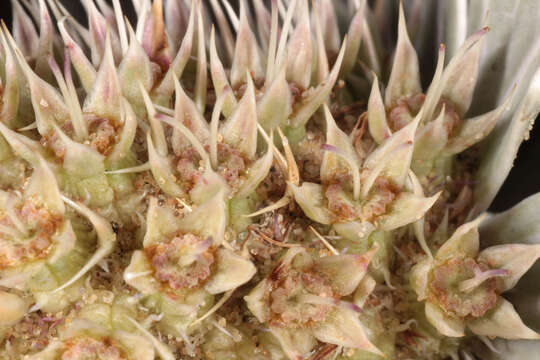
[[32, 126], [214, 124], [121, 26], [280, 55], [134, 169], [278, 155], [320, 300], [134, 275], [324, 241], [161, 348], [222, 329], [214, 308], [284, 201], [164, 109], [294, 174], [232, 15], [184, 204], [272, 45], [267, 238], [479, 277]]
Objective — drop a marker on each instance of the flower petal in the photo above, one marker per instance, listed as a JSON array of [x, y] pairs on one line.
[[47, 102], [232, 271], [275, 106], [24, 31], [332, 163], [376, 113], [160, 222], [364, 289], [316, 97], [296, 343], [240, 129], [227, 39], [518, 224], [162, 171], [64, 240], [99, 28], [136, 345], [11, 88], [431, 138], [83, 66], [106, 239], [186, 113], [12, 308], [405, 76], [21, 145], [464, 242], [354, 34], [299, 49], [346, 271], [79, 159], [42, 189], [219, 78], [129, 129], [246, 53], [342, 327], [104, 98], [138, 274], [255, 301], [354, 230], [158, 132], [448, 326], [435, 89], [517, 258], [503, 321], [165, 89], [393, 157], [320, 63], [257, 172], [311, 199], [419, 277], [208, 219], [475, 129], [135, 67], [46, 38], [461, 73], [151, 33], [201, 77], [406, 209]]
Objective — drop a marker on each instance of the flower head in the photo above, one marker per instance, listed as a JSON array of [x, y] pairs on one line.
[[461, 285], [300, 301], [184, 263]]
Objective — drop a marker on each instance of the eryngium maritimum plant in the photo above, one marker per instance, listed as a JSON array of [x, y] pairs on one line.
[[267, 180]]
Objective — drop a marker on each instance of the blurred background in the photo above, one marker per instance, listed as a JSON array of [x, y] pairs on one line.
[[524, 178]]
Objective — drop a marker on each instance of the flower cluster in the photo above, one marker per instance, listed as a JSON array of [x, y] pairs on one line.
[[215, 182]]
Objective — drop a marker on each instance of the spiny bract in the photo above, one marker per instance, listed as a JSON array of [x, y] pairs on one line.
[[213, 183]]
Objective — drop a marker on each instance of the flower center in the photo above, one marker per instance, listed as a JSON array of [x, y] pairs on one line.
[[231, 165], [91, 349], [374, 205], [102, 136], [287, 307], [184, 262], [25, 234], [407, 108], [453, 290]]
